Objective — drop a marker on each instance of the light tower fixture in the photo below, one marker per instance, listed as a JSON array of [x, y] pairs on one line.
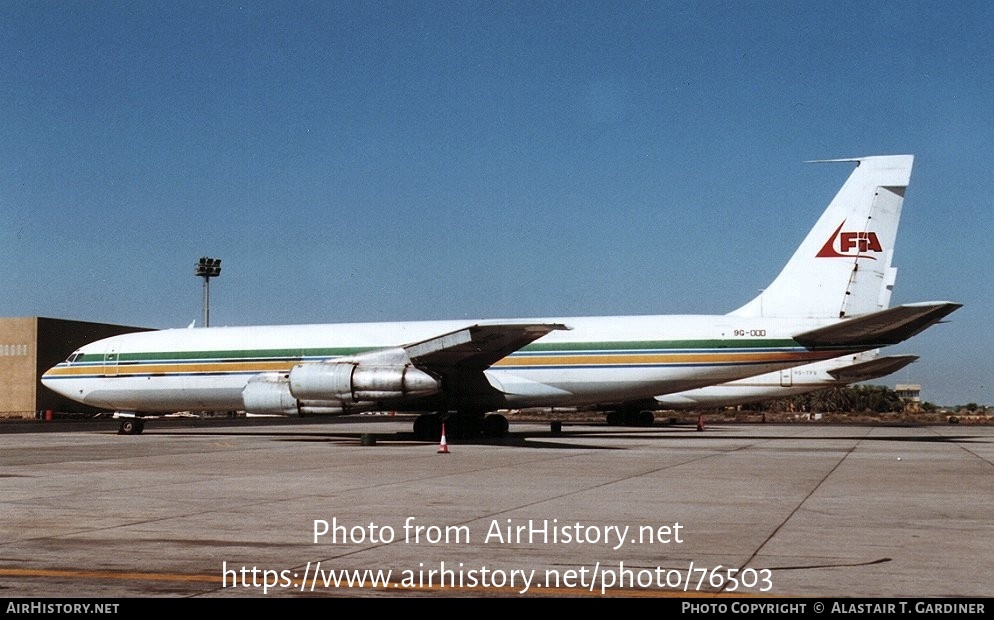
[[207, 268]]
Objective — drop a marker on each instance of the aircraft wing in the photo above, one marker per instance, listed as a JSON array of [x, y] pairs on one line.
[[476, 347], [879, 367], [884, 327]]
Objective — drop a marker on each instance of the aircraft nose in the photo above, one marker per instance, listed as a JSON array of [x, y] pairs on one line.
[[50, 380], [47, 380]]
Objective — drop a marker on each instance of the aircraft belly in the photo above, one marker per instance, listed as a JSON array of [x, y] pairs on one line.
[[166, 394]]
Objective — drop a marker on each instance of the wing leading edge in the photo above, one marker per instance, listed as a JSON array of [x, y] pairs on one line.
[[477, 347]]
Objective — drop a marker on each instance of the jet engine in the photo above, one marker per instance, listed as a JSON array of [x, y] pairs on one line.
[[269, 393], [353, 381]]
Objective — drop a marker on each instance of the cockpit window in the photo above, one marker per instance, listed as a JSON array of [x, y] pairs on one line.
[[75, 356]]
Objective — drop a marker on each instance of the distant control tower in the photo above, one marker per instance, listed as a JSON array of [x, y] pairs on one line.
[[911, 394]]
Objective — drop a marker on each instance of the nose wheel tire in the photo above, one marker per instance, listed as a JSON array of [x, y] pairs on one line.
[[131, 426]]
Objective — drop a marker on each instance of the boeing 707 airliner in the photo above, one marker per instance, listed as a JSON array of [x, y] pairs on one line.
[[828, 301]]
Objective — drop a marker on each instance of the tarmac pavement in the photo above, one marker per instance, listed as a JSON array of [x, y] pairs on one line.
[[236, 508]]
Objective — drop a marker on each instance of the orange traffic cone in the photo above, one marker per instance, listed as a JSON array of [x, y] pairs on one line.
[[443, 448], [700, 423]]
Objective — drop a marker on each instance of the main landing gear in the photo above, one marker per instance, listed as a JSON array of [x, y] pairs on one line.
[[131, 426], [428, 426]]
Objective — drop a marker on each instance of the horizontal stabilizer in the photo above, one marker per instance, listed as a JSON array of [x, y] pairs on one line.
[[884, 327], [477, 347], [873, 369]]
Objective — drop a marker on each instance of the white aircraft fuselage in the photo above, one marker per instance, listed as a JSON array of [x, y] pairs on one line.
[[829, 300], [787, 382], [594, 359]]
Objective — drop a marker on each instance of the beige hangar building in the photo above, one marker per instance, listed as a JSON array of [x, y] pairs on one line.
[[31, 345]]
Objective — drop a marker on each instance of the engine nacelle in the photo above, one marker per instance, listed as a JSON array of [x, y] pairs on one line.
[[269, 393], [352, 381]]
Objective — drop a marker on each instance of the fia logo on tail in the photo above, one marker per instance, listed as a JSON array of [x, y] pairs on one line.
[[861, 242]]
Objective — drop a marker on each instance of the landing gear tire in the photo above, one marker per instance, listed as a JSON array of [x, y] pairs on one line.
[[644, 418], [495, 425], [131, 426]]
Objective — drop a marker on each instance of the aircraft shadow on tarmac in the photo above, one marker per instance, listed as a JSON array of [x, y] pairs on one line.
[[560, 440]]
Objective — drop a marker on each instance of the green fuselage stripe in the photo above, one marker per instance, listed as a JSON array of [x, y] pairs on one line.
[[535, 348]]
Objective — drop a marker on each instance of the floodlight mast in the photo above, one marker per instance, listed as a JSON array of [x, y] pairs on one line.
[[207, 268]]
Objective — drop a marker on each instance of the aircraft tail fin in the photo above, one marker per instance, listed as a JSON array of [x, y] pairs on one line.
[[843, 267]]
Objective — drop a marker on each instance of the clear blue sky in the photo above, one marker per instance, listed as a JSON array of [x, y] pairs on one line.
[[418, 160]]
